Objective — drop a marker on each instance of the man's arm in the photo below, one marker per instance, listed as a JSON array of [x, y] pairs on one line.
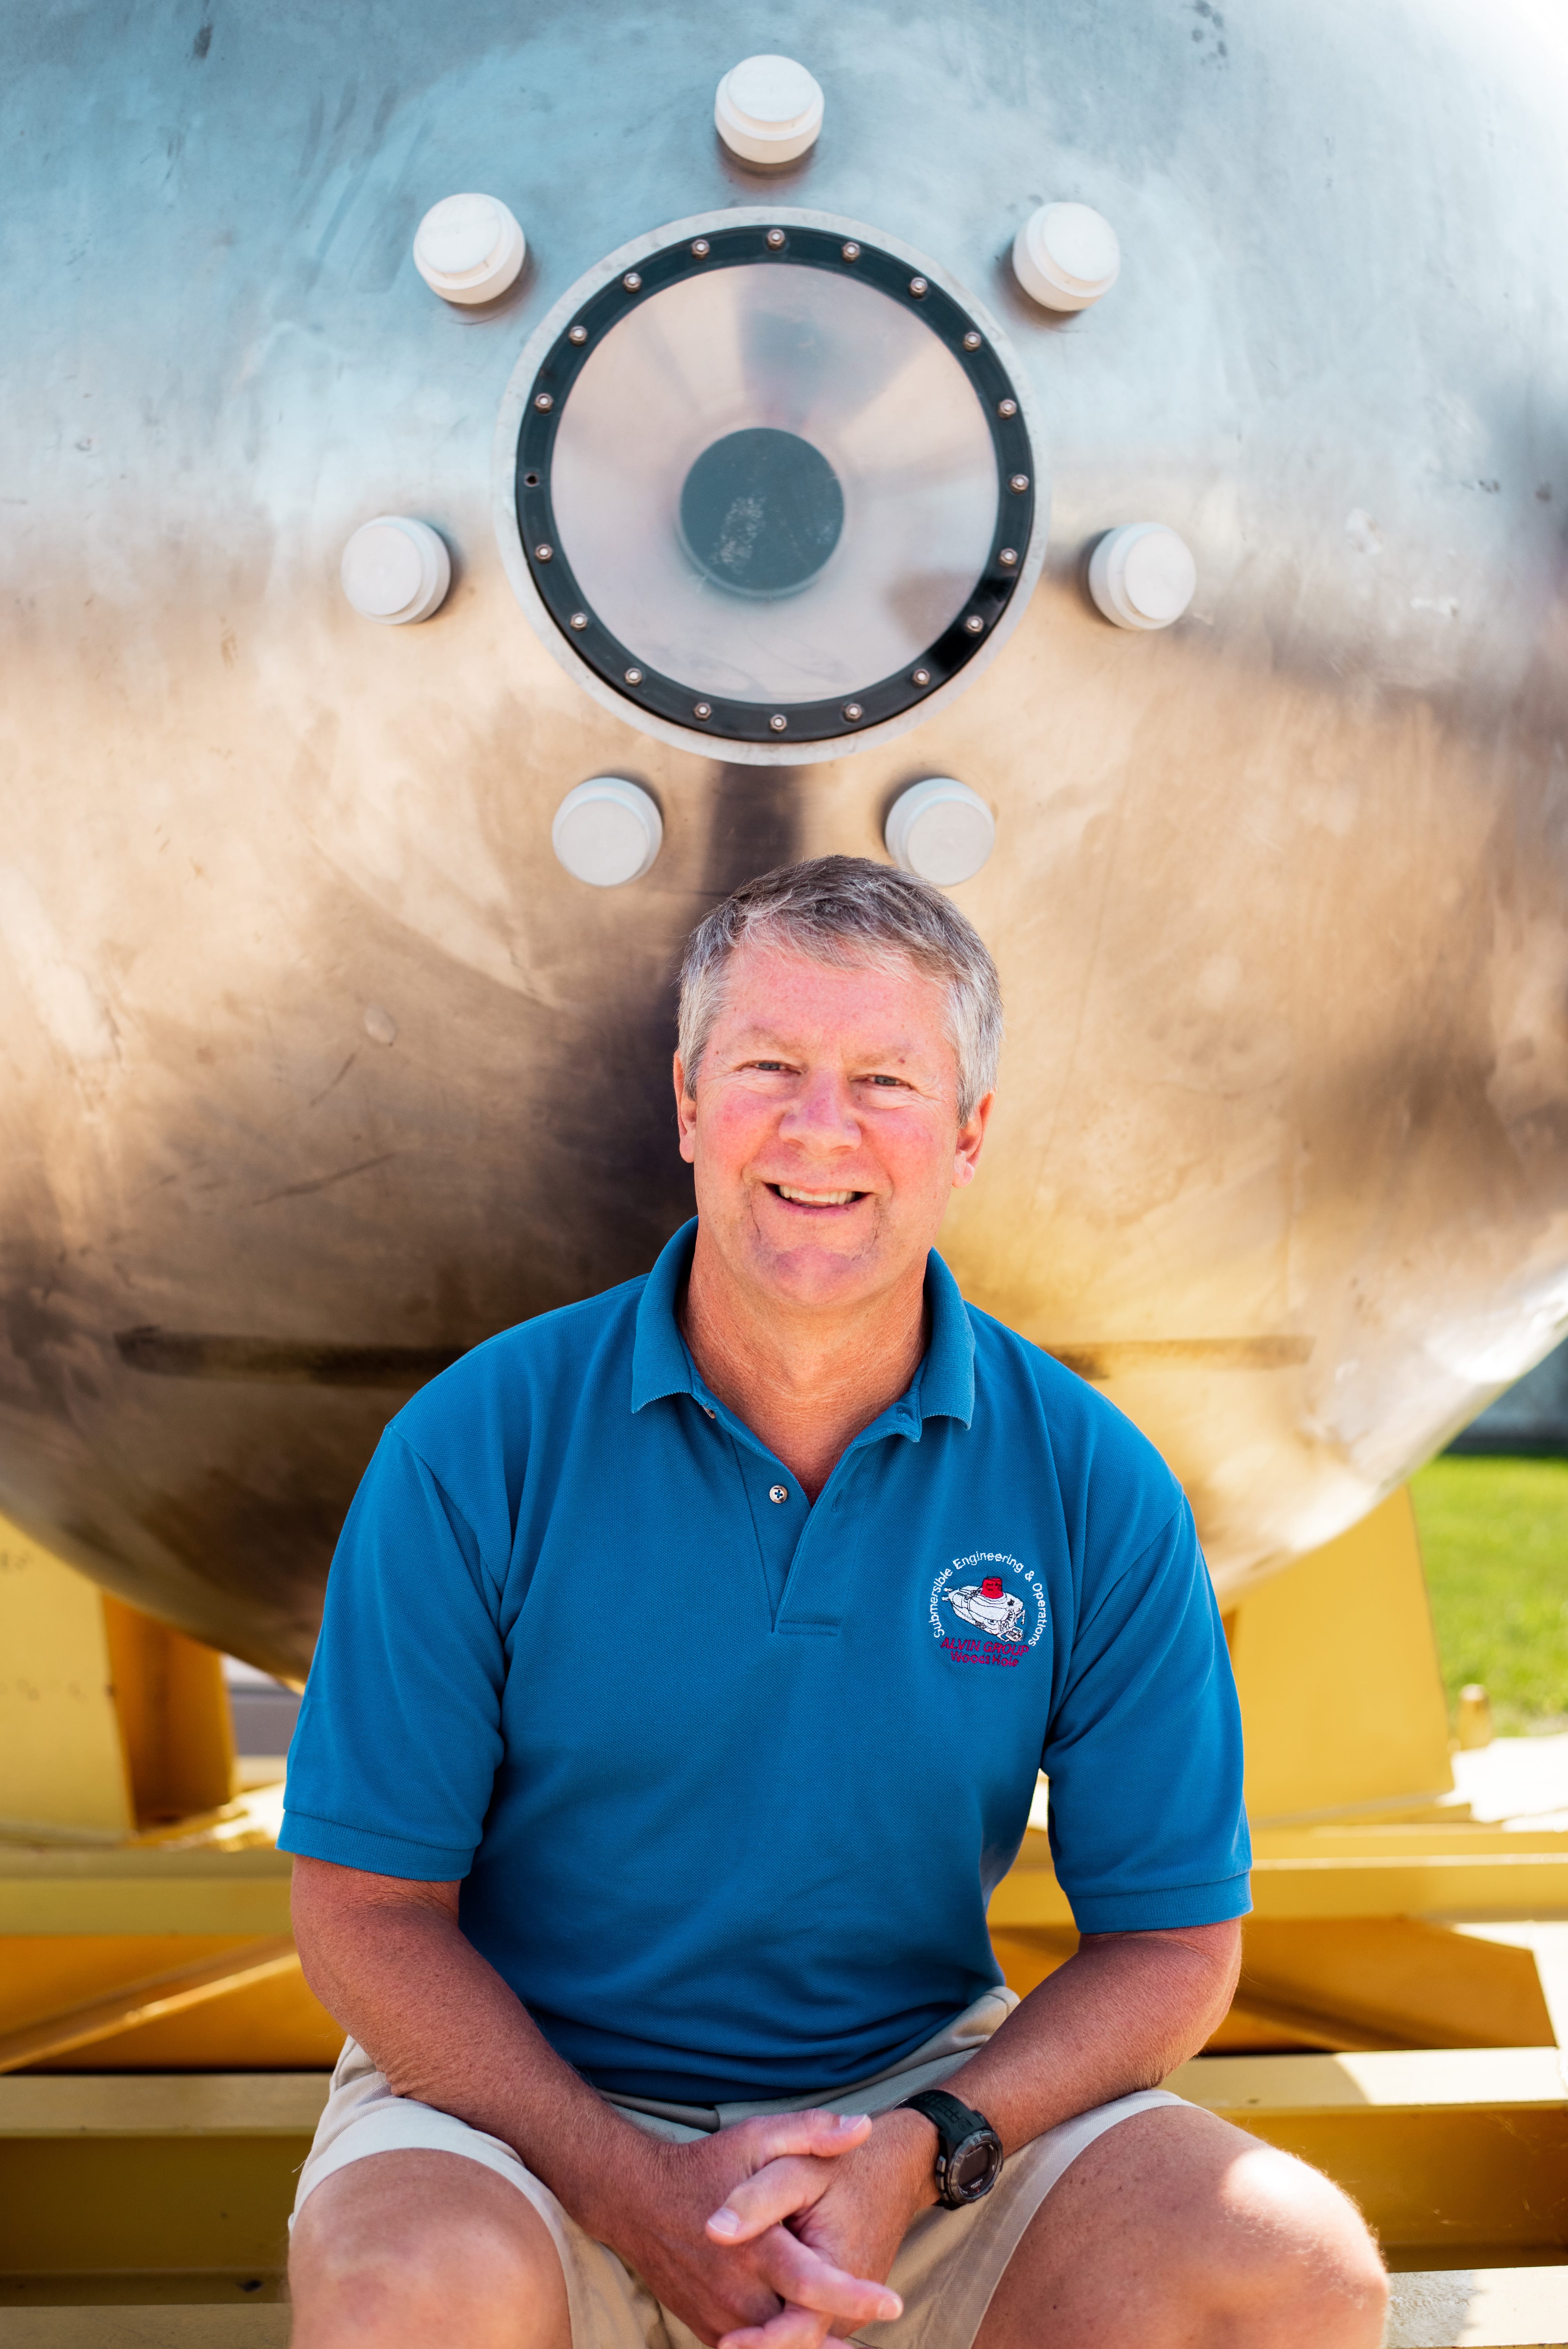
[[389, 1960], [1120, 2015]]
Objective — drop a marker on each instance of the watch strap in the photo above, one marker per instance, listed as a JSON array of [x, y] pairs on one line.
[[952, 2120]]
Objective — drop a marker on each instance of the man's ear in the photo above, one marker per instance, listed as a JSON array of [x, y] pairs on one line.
[[971, 1134], [685, 1112]]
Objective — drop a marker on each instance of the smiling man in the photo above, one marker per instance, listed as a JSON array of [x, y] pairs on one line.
[[689, 1658]]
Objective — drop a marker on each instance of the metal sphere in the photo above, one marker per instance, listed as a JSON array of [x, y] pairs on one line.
[[319, 1067]]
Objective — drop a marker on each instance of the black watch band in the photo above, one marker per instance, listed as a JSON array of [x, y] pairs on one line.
[[968, 2149]]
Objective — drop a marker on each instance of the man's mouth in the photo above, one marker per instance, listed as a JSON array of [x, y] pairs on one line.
[[814, 1198]]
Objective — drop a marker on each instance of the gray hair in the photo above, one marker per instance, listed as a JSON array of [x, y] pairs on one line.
[[853, 913]]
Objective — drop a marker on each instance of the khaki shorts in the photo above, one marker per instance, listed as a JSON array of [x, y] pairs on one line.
[[948, 2265]]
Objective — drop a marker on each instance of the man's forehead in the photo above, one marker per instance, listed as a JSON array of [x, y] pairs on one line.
[[880, 1036], [790, 1003], [772, 991]]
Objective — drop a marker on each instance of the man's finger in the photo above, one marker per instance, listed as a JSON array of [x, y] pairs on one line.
[[811, 2132], [803, 2278], [770, 2194], [793, 2328]]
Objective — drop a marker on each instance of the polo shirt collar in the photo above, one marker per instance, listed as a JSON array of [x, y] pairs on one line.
[[943, 1386], [660, 1362]]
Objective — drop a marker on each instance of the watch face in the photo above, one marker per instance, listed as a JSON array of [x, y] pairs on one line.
[[973, 2167]]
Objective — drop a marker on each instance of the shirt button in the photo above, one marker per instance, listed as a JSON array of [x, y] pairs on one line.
[[779, 1492]]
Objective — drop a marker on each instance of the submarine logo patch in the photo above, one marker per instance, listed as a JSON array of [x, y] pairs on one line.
[[987, 1609]]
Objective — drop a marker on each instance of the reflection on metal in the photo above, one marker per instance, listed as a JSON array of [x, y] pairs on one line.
[[1117, 1357], [1279, 916], [187, 1354]]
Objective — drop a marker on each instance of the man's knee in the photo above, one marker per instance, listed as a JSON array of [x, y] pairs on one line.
[[1290, 2256], [479, 2264]]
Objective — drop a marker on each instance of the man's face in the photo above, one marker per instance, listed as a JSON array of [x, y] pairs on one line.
[[824, 1134]]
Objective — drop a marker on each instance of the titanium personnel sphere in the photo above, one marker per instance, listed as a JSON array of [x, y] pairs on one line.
[[319, 1065]]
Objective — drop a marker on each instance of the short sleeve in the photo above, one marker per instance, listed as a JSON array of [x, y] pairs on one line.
[[1144, 1750], [398, 1738]]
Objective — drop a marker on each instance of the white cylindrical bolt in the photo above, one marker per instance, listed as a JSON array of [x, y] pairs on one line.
[[607, 831], [940, 831], [468, 248], [1066, 256], [1142, 575], [395, 570], [768, 110]]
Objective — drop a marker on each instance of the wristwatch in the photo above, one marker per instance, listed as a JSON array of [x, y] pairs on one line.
[[968, 2149]]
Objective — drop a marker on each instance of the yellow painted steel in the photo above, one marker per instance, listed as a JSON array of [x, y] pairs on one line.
[[137, 1893], [92, 2002], [1337, 1668], [62, 1764], [109, 1721], [174, 1716], [202, 2326], [130, 2008], [167, 2060], [1502, 2308], [1454, 1872], [1456, 2157], [1459, 2151], [1361, 1982]]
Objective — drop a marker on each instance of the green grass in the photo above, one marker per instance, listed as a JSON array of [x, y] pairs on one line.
[[1495, 1536]]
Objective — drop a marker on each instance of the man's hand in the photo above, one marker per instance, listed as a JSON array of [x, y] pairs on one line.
[[389, 1959], [744, 2277], [852, 2213]]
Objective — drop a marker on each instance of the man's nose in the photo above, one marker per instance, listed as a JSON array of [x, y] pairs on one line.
[[822, 1114]]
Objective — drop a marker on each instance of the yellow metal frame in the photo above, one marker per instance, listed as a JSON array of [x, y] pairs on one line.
[[109, 1721], [1405, 1974]]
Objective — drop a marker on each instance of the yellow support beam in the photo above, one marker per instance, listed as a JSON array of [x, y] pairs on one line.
[[1459, 2159], [109, 1721], [1447, 1871], [199, 2326], [153, 2000], [1340, 1685], [1456, 2155]]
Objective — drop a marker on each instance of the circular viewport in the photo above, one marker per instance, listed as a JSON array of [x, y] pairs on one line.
[[761, 511]]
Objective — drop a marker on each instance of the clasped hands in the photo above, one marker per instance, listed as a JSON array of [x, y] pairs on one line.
[[777, 2231]]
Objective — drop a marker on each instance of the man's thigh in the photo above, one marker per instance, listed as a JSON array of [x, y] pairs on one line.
[[1174, 2229], [403, 2249]]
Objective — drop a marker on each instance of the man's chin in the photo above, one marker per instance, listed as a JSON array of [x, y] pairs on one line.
[[826, 1259]]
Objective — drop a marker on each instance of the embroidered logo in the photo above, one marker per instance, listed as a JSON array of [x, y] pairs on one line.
[[998, 1617], [989, 1608]]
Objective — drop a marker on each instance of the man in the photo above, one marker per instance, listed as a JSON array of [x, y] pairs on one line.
[[689, 1658]]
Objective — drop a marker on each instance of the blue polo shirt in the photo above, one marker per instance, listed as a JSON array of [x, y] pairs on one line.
[[729, 1780]]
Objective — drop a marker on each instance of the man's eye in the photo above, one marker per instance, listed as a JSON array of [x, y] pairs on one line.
[[886, 1080]]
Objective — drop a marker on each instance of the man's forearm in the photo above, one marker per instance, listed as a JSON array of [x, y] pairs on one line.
[[389, 1959], [403, 1979], [1120, 2015]]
